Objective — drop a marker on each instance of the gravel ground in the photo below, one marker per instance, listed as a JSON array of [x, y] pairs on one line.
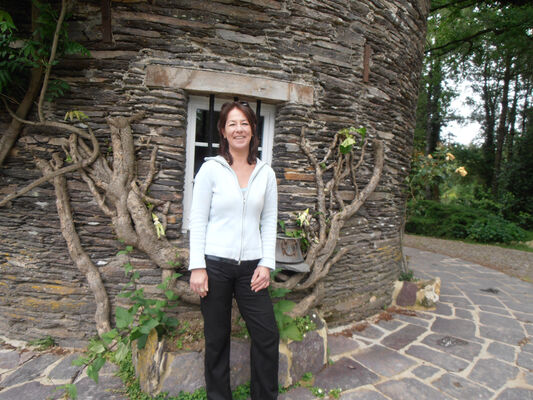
[[512, 262]]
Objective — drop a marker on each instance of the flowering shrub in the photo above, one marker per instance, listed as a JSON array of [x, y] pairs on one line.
[[439, 168]]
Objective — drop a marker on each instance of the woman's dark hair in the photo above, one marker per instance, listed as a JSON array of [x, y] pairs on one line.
[[253, 150]]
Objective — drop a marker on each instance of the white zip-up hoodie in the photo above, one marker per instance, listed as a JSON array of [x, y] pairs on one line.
[[229, 222]]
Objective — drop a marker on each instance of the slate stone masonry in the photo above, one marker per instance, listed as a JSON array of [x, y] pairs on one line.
[[317, 44]]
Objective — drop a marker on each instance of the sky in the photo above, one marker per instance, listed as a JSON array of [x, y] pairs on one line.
[[463, 133]]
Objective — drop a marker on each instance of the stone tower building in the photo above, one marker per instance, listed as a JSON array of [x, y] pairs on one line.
[[325, 65]]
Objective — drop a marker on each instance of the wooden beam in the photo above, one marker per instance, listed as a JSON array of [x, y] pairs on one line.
[[107, 36]]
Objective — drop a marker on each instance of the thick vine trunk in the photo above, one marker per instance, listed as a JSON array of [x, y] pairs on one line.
[[11, 134], [75, 249]]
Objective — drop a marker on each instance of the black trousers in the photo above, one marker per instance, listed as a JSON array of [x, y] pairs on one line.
[[225, 282]]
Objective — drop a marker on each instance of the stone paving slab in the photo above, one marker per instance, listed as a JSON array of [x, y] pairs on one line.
[[383, 361], [516, 394], [493, 373], [410, 389], [30, 370], [363, 394], [502, 351], [29, 391], [340, 344], [460, 388], [437, 358], [403, 337], [455, 327], [345, 374], [454, 346]]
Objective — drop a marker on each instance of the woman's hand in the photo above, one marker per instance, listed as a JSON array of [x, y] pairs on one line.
[[198, 282], [261, 278]]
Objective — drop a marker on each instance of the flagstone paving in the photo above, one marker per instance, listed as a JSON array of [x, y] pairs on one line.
[[476, 344]]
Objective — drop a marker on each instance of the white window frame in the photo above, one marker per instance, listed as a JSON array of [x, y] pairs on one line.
[[268, 112]]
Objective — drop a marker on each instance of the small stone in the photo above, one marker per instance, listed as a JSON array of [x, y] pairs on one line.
[[407, 295]]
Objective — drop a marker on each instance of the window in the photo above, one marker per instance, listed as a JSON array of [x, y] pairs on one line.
[[201, 144]]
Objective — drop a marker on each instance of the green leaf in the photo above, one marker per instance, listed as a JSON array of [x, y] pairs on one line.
[[171, 295], [347, 144], [97, 347], [94, 368], [279, 292], [70, 390], [122, 352], [284, 306], [80, 361], [172, 322], [141, 342], [108, 337], [291, 331], [123, 317], [148, 326]]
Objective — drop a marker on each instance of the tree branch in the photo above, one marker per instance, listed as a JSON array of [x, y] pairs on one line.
[[51, 59]]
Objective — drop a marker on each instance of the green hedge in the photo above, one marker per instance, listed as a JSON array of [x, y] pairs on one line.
[[455, 221]]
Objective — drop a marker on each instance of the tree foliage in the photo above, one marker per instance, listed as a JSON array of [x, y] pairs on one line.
[[488, 44]]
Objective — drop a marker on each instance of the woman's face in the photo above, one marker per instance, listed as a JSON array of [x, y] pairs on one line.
[[237, 131]]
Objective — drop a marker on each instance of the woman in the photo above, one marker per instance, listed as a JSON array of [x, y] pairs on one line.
[[232, 251]]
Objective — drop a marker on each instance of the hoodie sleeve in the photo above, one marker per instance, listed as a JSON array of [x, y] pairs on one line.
[[201, 205], [269, 220]]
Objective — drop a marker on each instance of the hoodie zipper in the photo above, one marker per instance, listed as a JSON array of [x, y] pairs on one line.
[[244, 198]]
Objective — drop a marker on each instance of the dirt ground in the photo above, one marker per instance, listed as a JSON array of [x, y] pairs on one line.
[[512, 262]]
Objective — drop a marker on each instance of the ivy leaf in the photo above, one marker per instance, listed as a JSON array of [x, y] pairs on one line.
[[347, 144]]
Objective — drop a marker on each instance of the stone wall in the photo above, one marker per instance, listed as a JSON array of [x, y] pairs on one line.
[[316, 44]]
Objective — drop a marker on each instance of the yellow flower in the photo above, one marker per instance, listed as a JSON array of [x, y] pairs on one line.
[[430, 156], [450, 156], [461, 171]]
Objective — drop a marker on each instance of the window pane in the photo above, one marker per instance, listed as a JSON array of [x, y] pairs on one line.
[[202, 121], [199, 154]]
